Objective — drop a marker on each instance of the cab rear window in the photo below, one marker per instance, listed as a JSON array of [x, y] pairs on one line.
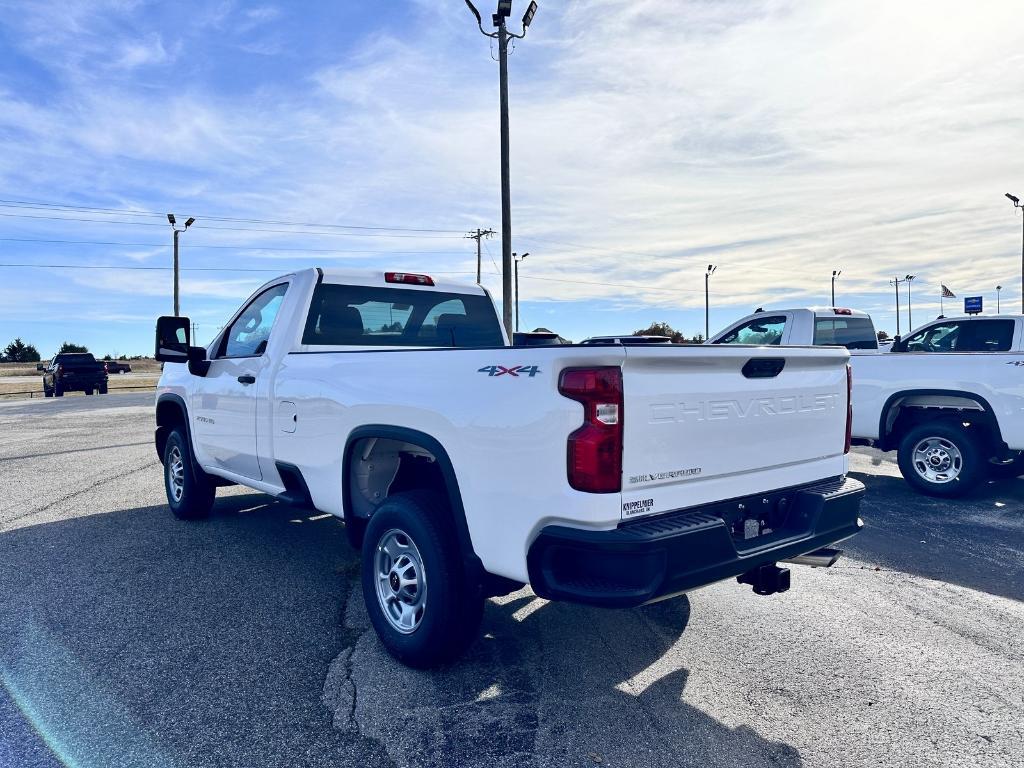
[[849, 332], [368, 316]]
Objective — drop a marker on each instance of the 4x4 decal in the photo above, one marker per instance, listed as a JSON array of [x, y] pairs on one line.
[[514, 371]]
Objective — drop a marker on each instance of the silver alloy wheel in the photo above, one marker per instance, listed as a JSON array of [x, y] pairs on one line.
[[401, 580], [937, 460], [176, 474]]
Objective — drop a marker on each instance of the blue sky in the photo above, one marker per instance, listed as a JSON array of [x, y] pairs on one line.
[[778, 140]]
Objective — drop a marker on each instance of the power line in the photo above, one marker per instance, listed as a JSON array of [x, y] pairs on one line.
[[226, 229], [228, 247], [36, 205], [613, 285], [183, 269]]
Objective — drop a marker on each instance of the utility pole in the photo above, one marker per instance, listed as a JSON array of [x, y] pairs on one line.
[[998, 289], [503, 36], [477, 235], [195, 330], [896, 281], [1016, 204], [707, 301], [516, 261], [835, 274], [910, 317], [171, 220]]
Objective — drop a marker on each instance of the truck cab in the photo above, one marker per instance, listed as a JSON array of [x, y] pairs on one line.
[[810, 326]]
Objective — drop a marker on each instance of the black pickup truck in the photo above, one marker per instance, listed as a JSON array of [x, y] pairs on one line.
[[74, 372]]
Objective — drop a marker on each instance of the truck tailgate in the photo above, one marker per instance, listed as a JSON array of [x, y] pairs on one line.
[[704, 424]]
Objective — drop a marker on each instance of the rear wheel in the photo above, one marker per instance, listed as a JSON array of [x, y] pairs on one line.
[[941, 458], [103, 389], [46, 391], [190, 491], [58, 390], [417, 596], [88, 391]]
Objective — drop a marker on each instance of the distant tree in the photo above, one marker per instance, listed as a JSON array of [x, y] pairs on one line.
[[67, 346], [20, 352], [883, 336], [698, 339], [107, 357], [123, 357], [661, 329]]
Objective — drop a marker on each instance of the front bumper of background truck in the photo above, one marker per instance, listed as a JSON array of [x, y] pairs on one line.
[[656, 557]]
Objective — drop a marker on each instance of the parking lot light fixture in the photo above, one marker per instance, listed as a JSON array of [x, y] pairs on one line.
[[835, 273], [707, 301], [1016, 204], [531, 11], [908, 279], [188, 223]]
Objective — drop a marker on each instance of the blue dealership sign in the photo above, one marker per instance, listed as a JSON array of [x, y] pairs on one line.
[[972, 305]]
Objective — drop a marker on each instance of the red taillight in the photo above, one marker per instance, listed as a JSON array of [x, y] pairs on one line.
[[595, 449], [408, 278], [849, 408]]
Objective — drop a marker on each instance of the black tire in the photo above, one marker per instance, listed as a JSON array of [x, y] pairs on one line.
[[193, 495], [449, 617], [958, 457], [47, 392], [103, 389], [1007, 467], [58, 391], [88, 391]]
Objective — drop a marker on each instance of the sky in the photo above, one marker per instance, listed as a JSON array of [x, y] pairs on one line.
[[649, 138]]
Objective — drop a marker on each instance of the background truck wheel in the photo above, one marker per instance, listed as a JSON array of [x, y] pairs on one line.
[[47, 392], [58, 391], [89, 391], [414, 586], [1007, 466], [103, 389], [941, 458], [190, 493]]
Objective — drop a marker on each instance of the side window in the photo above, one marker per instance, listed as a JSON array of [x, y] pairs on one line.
[[441, 318], [248, 335], [942, 337], [986, 336], [763, 331]]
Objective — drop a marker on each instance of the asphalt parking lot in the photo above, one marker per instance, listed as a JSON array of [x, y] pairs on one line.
[[128, 638]]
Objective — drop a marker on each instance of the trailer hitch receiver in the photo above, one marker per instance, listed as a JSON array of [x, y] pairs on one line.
[[766, 580]]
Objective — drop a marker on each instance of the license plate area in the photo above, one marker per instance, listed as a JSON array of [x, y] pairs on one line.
[[755, 521]]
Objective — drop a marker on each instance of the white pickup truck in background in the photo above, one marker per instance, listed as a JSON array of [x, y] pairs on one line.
[[949, 397], [609, 475]]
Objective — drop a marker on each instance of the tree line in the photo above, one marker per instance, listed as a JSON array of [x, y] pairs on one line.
[[20, 352]]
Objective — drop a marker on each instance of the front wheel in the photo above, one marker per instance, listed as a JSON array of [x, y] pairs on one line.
[[88, 391], [103, 389], [420, 603], [941, 458], [190, 492], [58, 390]]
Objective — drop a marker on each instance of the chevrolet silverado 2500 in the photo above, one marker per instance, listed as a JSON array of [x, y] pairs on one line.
[[465, 468]]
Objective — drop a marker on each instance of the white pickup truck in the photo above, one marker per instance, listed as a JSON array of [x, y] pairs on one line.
[[464, 468], [949, 397]]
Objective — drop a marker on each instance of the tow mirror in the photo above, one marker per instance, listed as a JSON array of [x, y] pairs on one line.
[[172, 339]]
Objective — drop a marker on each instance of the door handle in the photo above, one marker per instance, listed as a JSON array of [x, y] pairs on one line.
[[247, 379]]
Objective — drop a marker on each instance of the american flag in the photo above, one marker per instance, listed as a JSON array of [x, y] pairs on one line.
[[947, 294]]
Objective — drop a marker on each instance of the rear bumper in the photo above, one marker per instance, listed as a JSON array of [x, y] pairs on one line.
[[648, 559]]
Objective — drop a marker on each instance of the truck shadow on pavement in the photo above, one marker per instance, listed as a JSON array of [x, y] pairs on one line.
[[131, 638], [976, 541]]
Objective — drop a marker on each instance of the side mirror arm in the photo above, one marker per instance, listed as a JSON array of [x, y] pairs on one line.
[[198, 365]]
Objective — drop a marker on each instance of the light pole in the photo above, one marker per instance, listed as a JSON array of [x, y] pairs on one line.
[[998, 289], [516, 260], [1016, 204], [908, 279], [502, 36], [835, 274], [707, 301], [188, 223], [896, 281]]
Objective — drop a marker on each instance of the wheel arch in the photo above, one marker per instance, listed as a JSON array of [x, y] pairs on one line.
[[889, 435], [170, 412], [451, 491]]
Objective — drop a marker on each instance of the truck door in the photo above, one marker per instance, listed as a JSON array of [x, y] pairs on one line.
[[225, 405]]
